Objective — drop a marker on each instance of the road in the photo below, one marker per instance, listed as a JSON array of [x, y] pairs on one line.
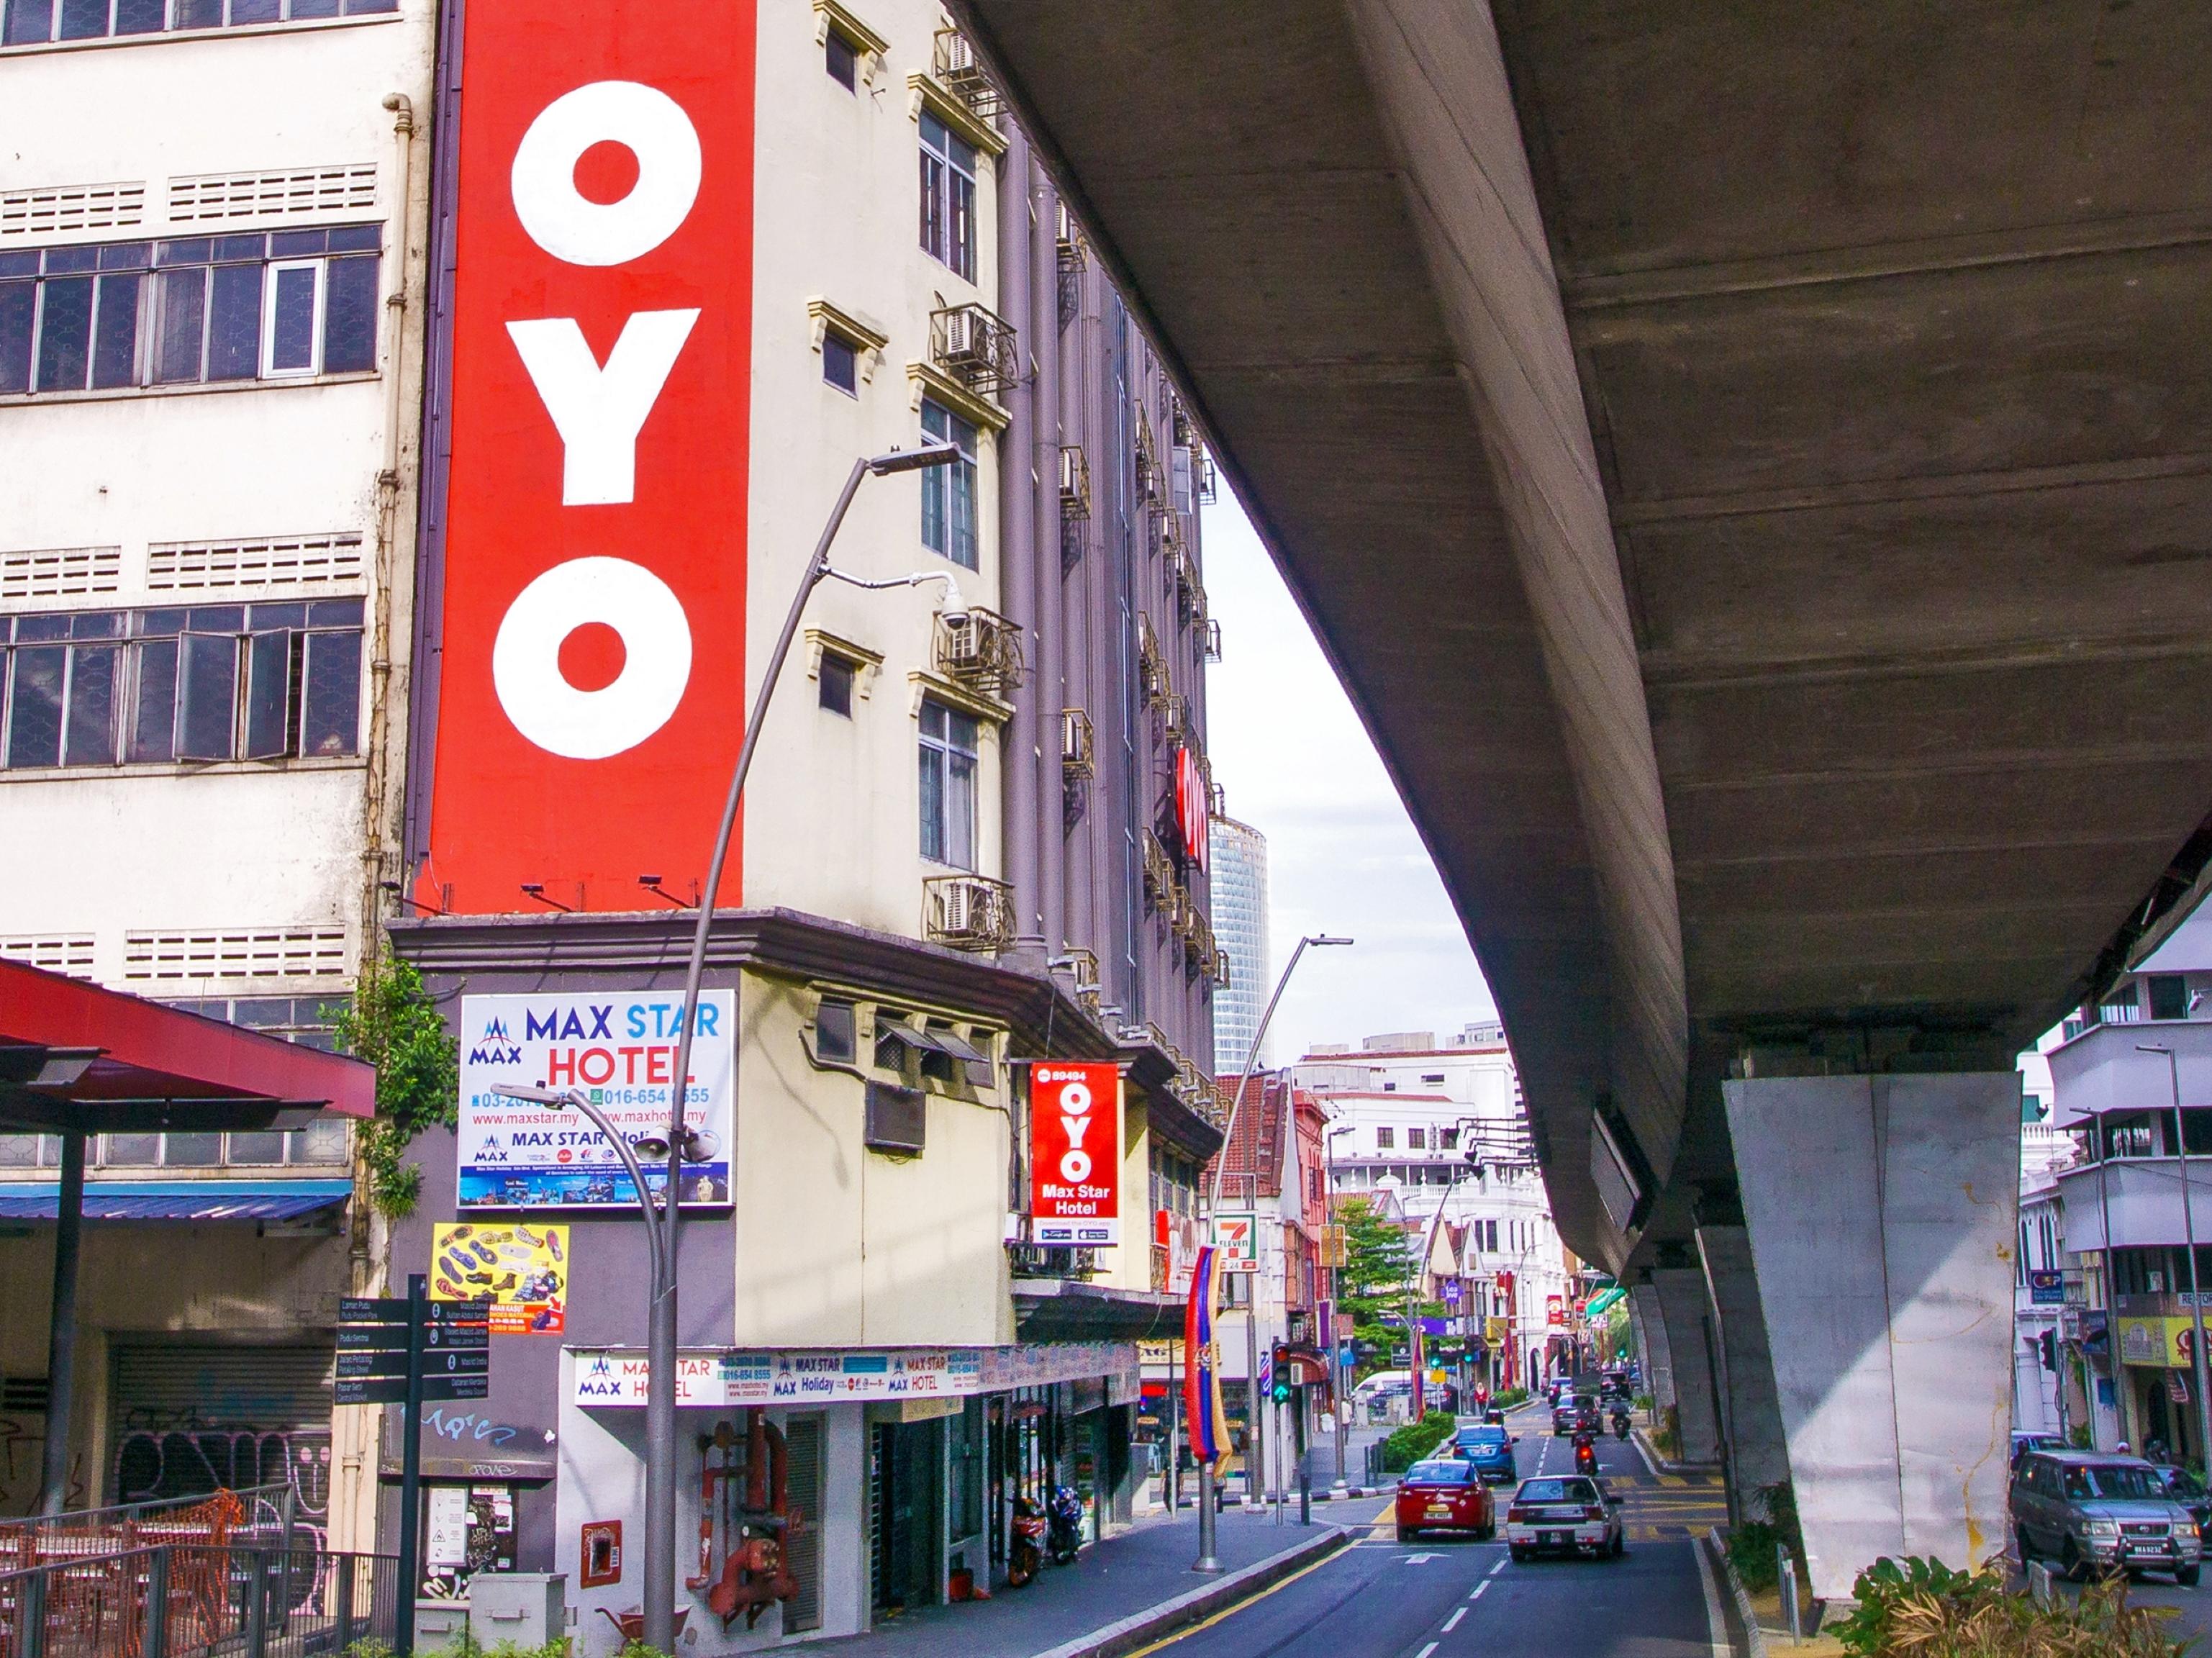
[[1447, 1598]]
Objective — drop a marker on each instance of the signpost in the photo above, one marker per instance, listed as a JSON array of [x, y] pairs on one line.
[[411, 1352]]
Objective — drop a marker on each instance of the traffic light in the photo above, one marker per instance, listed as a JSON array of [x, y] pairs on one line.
[[2048, 1345], [1281, 1391]]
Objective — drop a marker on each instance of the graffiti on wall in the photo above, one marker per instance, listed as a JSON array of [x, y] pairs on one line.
[[161, 1454]]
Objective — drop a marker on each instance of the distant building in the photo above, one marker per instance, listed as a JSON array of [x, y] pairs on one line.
[[1240, 927]]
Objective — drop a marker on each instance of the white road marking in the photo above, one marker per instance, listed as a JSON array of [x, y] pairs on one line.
[[1452, 1622], [1419, 1559], [1715, 1625], [1499, 1567], [1479, 1588], [1426, 1650]]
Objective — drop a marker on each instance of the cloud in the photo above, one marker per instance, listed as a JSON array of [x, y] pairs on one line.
[[1343, 857]]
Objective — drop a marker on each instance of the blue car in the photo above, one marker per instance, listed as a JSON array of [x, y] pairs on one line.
[[1489, 1448]]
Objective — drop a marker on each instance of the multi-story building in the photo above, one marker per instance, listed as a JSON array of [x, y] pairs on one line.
[[1435, 1136], [688, 278], [1240, 923], [212, 217], [2133, 1078]]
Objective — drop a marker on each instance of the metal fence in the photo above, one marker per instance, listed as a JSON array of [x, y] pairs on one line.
[[179, 1601], [262, 1516]]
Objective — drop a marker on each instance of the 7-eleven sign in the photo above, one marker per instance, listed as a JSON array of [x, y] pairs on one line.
[[1238, 1237]]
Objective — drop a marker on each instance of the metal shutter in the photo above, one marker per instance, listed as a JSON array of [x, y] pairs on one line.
[[802, 1476], [189, 1419]]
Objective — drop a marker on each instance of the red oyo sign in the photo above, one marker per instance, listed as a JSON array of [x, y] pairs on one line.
[[1193, 812], [1075, 1154], [591, 646]]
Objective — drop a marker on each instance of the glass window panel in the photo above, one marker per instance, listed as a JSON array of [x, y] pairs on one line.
[[842, 61], [18, 264], [960, 813], [182, 299], [255, 11], [19, 305], [357, 8], [91, 735], [141, 1148], [262, 618], [961, 485], [42, 627], [199, 14], [249, 249], [932, 201], [305, 9], [192, 1150], [217, 618], [115, 341], [292, 318], [840, 364], [207, 695], [932, 719], [29, 22], [334, 613], [153, 731], [67, 261], [151, 624], [141, 16], [126, 256], [268, 694], [193, 251], [349, 316], [35, 705], [261, 1145], [330, 696], [235, 322], [290, 243], [960, 232], [936, 422], [356, 239], [932, 803], [836, 686], [83, 20], [19, 1150], [65, 334], [321, 1141]]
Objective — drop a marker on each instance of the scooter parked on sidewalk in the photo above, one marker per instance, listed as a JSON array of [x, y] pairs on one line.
[[1065, 1509], [1029, 1526]]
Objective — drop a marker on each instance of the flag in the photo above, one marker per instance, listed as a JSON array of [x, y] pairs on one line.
[[1201, 1392]]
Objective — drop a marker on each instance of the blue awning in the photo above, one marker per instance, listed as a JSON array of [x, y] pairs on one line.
[[180, 1199]]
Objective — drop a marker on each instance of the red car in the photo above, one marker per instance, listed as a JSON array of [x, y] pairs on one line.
[[1445, 1494]]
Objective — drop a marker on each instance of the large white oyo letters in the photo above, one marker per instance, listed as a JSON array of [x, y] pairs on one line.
[[598, 409]]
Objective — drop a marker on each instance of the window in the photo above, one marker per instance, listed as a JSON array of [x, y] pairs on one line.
[[842, 59], [1390, 1088], [836, 685], [36, 22], [225, 681], [1386, 1139], [834, 1036], [948, 198], [1448, 1139], [1490, 1234], [1416, 1139], [948, 785], [2169, 996], [948, 493], [841, 363], [199, 311], [1433, 1077]]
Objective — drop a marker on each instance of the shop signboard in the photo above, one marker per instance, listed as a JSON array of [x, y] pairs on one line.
[[592, 508], [616, 1048], [1555, 1311], [1075, 1154], [1237, 1235], [2046, 1289], [521, 1270], [713, 1381], [2166, 1342]]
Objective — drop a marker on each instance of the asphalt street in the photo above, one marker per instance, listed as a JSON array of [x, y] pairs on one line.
[[1445, 1597]]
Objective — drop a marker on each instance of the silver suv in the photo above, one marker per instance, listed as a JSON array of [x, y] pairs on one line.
[[2096, 1513]]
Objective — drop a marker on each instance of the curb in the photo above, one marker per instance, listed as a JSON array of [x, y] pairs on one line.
[[1658, 1464], [1143, 1628], [1754, 1637]]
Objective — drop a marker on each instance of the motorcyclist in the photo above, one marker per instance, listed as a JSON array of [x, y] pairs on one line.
[[1585, 1452], [1619, 1420]]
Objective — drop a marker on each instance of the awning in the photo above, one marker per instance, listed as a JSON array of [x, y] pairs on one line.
[[74, 1055], [1069, 1309], [206, 1200], [935, 1039]]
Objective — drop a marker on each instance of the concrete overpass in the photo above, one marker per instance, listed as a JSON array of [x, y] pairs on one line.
[[1749, 465]]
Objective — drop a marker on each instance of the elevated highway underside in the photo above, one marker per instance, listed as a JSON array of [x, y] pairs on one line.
[[1752, 466]]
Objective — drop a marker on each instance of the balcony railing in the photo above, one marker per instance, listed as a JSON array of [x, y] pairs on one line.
[[1078, 743], [968, 911], [981, 649], [1074, 482], [976, 347], [955, 62]]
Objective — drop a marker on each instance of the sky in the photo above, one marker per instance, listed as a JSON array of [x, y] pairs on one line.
[[1295, 763]]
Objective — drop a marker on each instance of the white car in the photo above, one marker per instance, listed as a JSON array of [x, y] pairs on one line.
[[1564, 1514]]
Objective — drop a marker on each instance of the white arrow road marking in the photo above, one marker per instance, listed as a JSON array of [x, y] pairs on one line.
[[1419, 1559]]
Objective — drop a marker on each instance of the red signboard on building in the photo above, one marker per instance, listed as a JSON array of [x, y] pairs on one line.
[[591, 635], [1075, 1154], [1193, 811], [1555, 1311]]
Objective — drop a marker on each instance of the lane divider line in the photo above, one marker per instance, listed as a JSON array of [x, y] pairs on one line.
[[1499, 1567], [1426, 1650], [1479, 1588], [1452, 1622]]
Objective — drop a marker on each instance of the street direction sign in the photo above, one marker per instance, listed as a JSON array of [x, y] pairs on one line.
[[393, 1389], [372, 1339], [439, 1389], [434, 1365], [444, 1338], [383, 1390], [372, 1309]]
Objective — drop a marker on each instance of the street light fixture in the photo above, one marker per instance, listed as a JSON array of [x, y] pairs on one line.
[[2189, 1231], [1208, 1560], [660, 1586]]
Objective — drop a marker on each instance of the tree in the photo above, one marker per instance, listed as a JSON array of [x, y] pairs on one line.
[[1377, 1281], [393, 1023]]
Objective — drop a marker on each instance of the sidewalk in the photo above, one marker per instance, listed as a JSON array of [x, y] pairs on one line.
[[1143, 1571]]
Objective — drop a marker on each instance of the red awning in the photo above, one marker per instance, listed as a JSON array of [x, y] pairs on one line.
[[188, 1070]]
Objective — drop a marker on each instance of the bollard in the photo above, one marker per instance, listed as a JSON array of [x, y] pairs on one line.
[[2039, 1582], [1786, 1580]]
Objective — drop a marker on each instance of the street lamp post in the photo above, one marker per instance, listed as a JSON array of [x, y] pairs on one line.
[[1336, 1337], [1208, 1560], [2189, 1231], [660, 1575]]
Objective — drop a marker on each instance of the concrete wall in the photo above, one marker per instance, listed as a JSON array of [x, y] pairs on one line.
[[1684, 1312], [1886, 1286], [1752, 1440]]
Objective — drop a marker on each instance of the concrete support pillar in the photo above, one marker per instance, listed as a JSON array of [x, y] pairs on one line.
[[1752, 1446], [1651, 1342], [1882, 1214], [1680, 1294]]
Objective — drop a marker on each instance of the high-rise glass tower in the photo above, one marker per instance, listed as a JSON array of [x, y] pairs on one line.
[[1240, 926]]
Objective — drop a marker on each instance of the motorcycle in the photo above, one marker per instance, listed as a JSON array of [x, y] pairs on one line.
[[1029, 1526], [1065, 1511], [1620, 1422], [1585, 1453]]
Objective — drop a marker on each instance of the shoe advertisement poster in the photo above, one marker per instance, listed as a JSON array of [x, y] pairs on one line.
[[522, 1270]]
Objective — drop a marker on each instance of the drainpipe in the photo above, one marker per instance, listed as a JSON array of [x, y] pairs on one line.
[[1019, 530], [1051, 693]]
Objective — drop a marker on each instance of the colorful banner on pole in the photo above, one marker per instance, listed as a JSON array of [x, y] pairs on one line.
[[1202, 1409], [1075, 1154], [521, 1270]]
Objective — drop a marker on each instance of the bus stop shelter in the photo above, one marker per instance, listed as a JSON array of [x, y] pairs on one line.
[[76, 1059]]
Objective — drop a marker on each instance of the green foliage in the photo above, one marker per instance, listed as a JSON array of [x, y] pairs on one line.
[[1377, 1281], [1666, 1436], [1921, 1608], [2079, 1437], [369, 1647], [1506, 1399], [1410, 1443], [1751, 1551], [1642, 1402], [640, 1649], [393, 1024]]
